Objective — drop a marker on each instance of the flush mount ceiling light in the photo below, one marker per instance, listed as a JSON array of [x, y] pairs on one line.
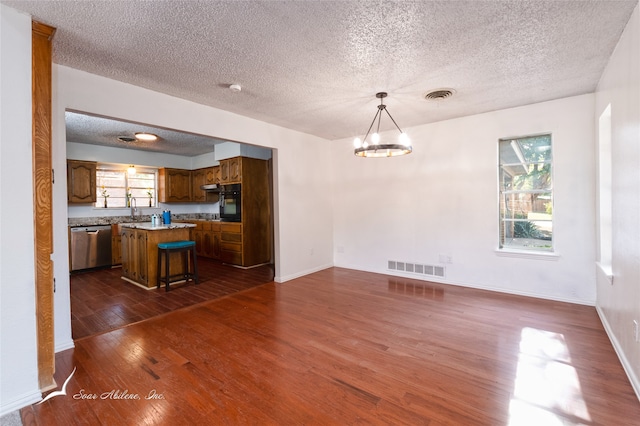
[[378, 148], [235, 87], [143, 136], [126, 139]]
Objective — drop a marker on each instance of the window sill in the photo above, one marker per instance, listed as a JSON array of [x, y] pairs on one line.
[[526, 254]]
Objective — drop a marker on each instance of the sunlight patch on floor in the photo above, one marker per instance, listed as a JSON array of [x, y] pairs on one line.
[[547, 389]]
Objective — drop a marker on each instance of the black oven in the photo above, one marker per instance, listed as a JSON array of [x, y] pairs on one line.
[[230, 203]]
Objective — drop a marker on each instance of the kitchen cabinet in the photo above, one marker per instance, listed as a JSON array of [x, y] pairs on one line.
[[140, 253], [135, 265], [198, 178], [231, 243], [213, 175], [205, 176], [116, 245], [206, 234], [174, 185], [231, 170], [81, 182]]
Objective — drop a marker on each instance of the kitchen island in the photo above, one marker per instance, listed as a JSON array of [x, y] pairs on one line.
[[140, 250]]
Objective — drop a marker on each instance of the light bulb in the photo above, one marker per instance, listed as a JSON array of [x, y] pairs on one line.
[[375, 138], [357, 143], [365, 144], [404, 139], [131, 170]]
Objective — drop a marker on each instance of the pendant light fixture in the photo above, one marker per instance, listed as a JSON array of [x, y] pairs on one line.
[[378, 148]]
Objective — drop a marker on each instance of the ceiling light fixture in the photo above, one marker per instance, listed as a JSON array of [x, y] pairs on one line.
[[144, 136], [235, 87], [378, 148], [131, 170], [126, 139]]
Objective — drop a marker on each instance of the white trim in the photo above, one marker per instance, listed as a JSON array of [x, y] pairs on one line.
[[63, 346], [525, 254], [286, 278], [607, 271], [626, 365], [443, 281], [20, 402]]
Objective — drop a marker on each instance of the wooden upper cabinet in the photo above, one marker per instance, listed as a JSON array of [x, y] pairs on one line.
[[198, 178], [81, 182], [231, 170], [174, 185], [212, 175]]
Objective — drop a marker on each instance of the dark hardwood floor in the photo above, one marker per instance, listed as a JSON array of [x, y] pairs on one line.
[[346, 347], [102, 301]]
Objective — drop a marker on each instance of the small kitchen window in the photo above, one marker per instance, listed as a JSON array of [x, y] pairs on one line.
[[116, 187], [526, 193]]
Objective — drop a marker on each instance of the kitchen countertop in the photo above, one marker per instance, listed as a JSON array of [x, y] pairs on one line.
[[149, 227], [114, 220]]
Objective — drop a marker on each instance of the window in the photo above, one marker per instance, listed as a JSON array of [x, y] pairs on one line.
[[526, 193], [114, 183]]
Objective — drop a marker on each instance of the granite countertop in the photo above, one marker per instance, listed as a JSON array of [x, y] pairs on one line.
[[149, 227], [114, 220]]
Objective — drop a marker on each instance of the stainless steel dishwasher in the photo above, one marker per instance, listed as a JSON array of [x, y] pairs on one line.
[[90, 246]]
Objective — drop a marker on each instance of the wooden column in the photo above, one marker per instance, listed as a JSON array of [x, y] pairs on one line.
[[42, 197]]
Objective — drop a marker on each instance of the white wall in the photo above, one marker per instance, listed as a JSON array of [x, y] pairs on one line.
[[619, 300], [18, 348], [443, 200]]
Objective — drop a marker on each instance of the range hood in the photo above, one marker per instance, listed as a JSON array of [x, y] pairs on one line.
[[211, 187]]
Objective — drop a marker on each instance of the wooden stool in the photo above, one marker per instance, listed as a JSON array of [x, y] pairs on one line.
[[183, 247]]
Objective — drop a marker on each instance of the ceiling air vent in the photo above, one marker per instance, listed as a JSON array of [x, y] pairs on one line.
[[439, 95]]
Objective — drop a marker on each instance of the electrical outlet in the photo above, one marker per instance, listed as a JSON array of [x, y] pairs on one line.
[[636, 332]]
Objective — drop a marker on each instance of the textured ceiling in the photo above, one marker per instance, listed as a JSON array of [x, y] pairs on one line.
[[315, 66], [95, 130]]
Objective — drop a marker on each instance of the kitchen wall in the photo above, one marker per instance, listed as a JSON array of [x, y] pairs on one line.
[[18, 349], [439, 205], [618, 300]]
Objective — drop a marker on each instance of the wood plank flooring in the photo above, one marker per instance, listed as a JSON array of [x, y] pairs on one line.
[[342, 347], [102, 301]]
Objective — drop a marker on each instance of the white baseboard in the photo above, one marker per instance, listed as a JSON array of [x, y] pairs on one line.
[[19, 402], [63, 346], [282, 279], [626, 365]]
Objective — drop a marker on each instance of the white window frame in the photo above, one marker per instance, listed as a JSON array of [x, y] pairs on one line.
[[515, 250], [142, 200]]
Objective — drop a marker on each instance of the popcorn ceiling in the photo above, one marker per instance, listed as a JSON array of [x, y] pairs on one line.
[[315, 66]]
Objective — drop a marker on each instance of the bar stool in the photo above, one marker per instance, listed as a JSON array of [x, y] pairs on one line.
[[184, 247]]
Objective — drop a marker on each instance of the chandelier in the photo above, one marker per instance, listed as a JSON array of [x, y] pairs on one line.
[[376, 148]]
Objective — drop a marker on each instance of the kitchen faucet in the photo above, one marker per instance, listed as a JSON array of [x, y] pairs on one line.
[[134, 208]]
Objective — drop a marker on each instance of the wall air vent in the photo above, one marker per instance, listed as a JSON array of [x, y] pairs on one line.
[[416, 268]]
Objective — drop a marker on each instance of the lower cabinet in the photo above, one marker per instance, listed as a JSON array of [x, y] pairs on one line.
[[207, 237], [135, 265], [116, 245], [140, 253], [231, 243]]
